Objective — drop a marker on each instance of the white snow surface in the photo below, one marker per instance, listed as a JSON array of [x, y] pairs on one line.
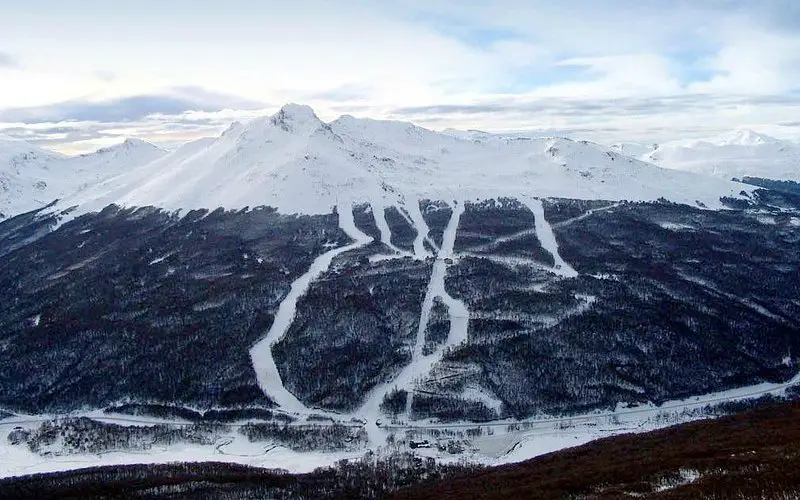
[[295, 162], [421, 365], [544, 232], [633, 149], [31, 177], [737, 154], [507, 442], [269, 378]]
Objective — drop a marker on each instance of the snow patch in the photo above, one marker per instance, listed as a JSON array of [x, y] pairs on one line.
[[682, 478], [158, 260], [481, 395], [675, 226], [766, 219]]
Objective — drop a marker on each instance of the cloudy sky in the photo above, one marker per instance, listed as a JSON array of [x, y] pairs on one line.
[[76, 75]]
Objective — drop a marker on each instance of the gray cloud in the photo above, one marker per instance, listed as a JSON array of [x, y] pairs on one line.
[[596, 107], [7, 61], [57, 129], [58, 134], [783, 15], [163, 129], [174, 102]]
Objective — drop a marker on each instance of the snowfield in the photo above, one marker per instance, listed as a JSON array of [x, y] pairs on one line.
[[31, 177], [737, 154], [499, 443], [299, 164]]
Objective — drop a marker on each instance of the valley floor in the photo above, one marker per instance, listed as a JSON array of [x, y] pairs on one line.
[[492, 443], [753, 454]]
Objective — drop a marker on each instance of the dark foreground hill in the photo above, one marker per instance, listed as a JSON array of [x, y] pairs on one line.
[[750, 455]]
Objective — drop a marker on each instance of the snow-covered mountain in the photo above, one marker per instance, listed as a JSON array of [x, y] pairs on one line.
[[31, 177], [119, 157], [738, 154], [299, 164], [633, 149], [406, 279], [24, 174]]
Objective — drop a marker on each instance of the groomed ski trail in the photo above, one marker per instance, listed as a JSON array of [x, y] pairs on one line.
[[421, 365], [379, 214], [546, 237], [269, 379], [588, 214], [423, 231]]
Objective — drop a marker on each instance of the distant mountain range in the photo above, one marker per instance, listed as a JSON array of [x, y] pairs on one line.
[[737, 154], [31, 177], [295, 162]]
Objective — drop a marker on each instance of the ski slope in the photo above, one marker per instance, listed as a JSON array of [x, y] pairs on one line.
[[269, 379], [544, 232]]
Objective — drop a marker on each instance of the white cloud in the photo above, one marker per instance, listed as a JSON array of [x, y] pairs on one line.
[[621, 75], [371, 58], [758, 63]]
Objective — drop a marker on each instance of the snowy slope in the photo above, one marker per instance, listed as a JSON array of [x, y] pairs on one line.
[[24, 174], [735, 154], [31, 177], [633, 149], [113, 159], [299, 164]]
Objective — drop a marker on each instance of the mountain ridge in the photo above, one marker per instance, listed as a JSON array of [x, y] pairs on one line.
[[32, 177], [297, 163], [735, 154]]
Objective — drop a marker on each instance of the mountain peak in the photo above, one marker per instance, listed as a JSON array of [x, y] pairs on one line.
[[293, 116], [23, 152], [298, 111], [744, 137], [133, 143], [129, 144], [234, 128]]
